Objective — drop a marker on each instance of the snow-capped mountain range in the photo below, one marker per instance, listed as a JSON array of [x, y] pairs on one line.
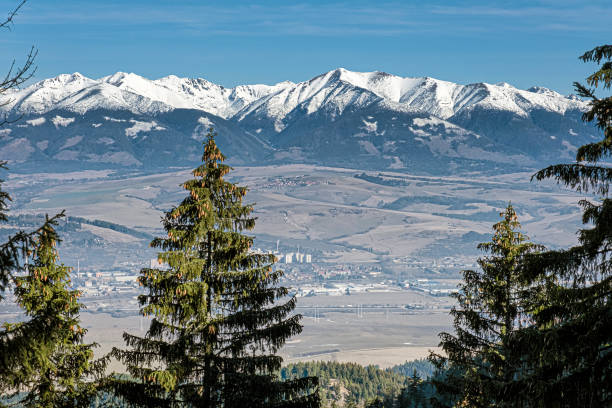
[[351, 119]]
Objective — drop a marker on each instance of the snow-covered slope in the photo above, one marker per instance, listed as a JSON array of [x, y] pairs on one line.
[[370, 119], [333, 91], [128, 91], [188, 93]]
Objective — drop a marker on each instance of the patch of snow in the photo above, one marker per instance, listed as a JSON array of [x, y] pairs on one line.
[[60, 121], [5, 132], [571, 132], [419, 132], [36, 122], [370, 126], [139, 126], [108, 118], [96, 125], [553, 137], [433, 121], [204, 121], [279, 126], [201, 130], [258, 131]]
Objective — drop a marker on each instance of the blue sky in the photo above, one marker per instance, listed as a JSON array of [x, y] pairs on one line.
[[234, 42]]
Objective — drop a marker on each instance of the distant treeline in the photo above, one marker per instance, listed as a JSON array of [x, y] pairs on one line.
[[112, 226], [423, 368], [345, 383], [73, 223], [381, 180]]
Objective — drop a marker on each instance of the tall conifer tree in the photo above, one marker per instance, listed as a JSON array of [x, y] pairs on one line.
[[477, 360], [41, 349], [568, 350], [216, 318], [59, 370]]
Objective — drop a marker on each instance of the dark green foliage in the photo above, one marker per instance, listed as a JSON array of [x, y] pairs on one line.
[[567, 351], [422, 367], [360, 383], [42, 359], [59, 370], [71, 224], [16, 248], [217, 323], [111, 226], [477, 359], [414, 395]]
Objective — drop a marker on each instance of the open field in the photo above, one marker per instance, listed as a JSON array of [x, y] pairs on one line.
[[369, 328], [384, 357], [342, 215], [380, 338]]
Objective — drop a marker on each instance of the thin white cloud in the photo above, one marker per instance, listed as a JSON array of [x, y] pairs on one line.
[[331, 19]]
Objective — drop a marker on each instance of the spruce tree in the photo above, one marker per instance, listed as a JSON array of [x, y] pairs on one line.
[[567, 351], [218, 313], [413, 395], [477, 360], [59, 370], [36, 346]]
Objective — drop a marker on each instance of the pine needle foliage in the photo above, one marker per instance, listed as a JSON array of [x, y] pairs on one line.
[[41, 358], [59, 370], [218, 313], [477, 359], [568, 349]]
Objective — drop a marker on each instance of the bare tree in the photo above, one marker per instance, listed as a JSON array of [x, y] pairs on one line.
[[16, 75]]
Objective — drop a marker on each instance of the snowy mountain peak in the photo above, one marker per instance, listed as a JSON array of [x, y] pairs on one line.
[[120, 77], [331, 92], [545, 91], [63, 80], [504, 85]]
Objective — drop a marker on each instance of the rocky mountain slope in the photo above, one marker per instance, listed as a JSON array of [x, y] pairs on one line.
[[341, 118]]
